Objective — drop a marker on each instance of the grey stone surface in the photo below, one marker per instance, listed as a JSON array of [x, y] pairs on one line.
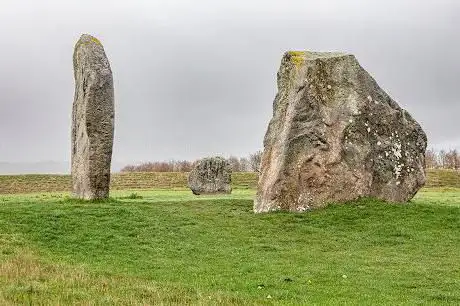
[[92, 120], [336, 136], [211, 175]]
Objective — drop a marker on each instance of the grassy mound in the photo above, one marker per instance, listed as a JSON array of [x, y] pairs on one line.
[[34, 183]]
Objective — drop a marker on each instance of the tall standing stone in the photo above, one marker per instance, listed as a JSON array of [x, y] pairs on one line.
[[335, 136], [92, 120]]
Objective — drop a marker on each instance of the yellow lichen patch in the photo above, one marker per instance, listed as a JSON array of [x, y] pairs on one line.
[[94, 39], [297, 57]]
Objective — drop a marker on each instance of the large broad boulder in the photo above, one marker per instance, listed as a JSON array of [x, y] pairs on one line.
[[211, 175], [336, 136], [92, 120]]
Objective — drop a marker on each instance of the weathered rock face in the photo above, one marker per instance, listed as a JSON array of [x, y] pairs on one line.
[[92, 120], [211, 175], [335, 136]]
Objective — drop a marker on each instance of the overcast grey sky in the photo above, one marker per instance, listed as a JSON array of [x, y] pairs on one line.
[[195, 78]]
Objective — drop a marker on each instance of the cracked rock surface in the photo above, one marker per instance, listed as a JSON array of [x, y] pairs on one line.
[[336, 136]]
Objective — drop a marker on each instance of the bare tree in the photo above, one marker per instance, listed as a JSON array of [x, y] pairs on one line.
[[244, 164], [255, 160], [170, 166], [128, 168], [184, 166], [451, 159], [431, 159], [455, 159], [235, 163], [443, 159]]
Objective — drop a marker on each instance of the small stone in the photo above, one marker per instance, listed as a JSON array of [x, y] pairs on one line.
[[329, 87], [211, 175]]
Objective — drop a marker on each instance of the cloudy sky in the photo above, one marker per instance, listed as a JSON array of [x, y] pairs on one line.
[[195, 78]]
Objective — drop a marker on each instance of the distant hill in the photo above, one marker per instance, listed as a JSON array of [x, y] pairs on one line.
[[49, 167], [11, 184], [43, 167]]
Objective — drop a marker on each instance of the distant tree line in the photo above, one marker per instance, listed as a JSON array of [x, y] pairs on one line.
[[442, 159], [250, 163], [165, 166], [433, 159]]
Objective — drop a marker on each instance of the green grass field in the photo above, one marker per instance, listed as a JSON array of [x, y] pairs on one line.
[[170, 247]]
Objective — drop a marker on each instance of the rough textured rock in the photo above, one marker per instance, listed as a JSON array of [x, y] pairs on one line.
[[92, 120], [335, 136], [211, 175]]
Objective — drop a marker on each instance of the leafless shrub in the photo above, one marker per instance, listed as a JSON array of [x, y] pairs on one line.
[[442, 159], [255, 160], [239, 164]]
